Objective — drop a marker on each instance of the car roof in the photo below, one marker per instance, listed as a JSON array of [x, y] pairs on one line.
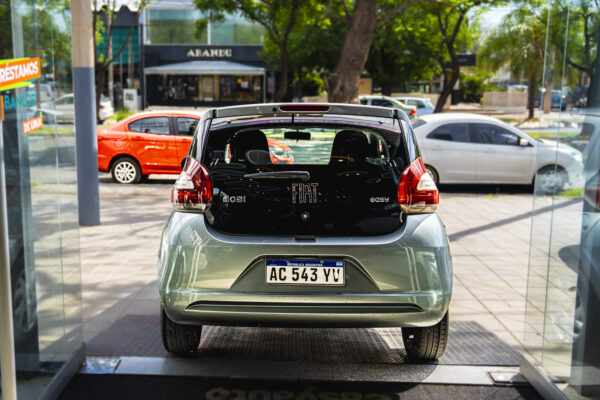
[[412, 98], [457, 117], [276, 108]]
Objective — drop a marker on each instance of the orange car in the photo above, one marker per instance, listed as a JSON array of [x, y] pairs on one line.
[[155, 143]]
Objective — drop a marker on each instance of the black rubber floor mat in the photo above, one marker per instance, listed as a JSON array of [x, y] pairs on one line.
[[101, 387], [139, 335]]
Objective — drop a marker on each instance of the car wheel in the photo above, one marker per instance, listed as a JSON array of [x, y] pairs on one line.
[[126, 170], [426, 344], [178, 338], [433, 173], [550, 180]]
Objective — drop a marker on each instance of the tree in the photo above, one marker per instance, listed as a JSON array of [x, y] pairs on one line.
[[278, 17], [362, 20], [528, 28], [394, 62], [313, 44], [441, 32], [105, 60]]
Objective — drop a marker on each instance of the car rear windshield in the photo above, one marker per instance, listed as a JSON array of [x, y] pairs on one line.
[[303, 144]]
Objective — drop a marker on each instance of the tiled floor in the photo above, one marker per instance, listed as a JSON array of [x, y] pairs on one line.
[[489, 241]]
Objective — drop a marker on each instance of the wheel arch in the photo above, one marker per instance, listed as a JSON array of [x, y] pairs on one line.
[[124, 155], [559, 167]]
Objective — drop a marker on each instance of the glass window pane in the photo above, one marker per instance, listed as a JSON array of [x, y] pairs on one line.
[[236, 30], [494, 134], [175, 27], [451, 132], [186, 126], [158, 125]]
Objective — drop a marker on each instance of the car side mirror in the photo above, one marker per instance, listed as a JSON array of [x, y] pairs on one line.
[[524, 142]]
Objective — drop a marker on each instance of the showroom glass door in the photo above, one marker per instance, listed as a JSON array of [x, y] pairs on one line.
[[562, 330], [39, 152]]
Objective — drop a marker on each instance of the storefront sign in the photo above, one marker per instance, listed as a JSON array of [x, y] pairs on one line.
[[32, 124], [210, 53], [19, 72], [25, 100]]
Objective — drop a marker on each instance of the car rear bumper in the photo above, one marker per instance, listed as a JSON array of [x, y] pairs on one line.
[[402, 279]]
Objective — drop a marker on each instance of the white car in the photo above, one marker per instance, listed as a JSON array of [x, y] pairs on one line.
[[422, 105], [471, 148], [63, 109]]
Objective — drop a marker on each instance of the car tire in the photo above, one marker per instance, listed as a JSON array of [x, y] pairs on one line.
[[426, 344], [126, 170], [433, 173], [550, 180], [177, 338]]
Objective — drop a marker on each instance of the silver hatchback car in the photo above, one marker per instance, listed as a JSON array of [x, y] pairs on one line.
[[340, 232]]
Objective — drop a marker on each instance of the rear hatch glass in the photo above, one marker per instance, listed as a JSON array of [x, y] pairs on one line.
[[302, 178]]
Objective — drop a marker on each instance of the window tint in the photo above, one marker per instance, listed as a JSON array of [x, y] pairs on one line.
[[186, 126], [452, 133], [364, 101], [381, 103], [494, 134], [158, 125]]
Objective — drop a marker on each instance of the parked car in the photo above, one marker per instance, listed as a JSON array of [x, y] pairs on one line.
[[470, 148], [557, 100], [47, 91], [384, 101], [423, 106], [345, 236], [63, 109], [155, 143]]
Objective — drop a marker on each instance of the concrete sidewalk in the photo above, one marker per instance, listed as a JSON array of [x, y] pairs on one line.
[[489, 237]]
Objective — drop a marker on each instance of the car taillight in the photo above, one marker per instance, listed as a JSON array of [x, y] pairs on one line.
[[102, 106], [417, 192], [412, 112], [592, 193], [193, 188]]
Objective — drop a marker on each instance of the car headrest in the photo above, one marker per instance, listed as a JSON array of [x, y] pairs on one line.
[[244, 145], [349, 147]]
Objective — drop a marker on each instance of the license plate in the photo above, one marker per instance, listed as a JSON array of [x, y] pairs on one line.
[[305, 272]]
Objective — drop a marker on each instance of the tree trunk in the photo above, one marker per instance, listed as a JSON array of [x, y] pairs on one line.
[[387, 86], [283, 87], [100, 72], [343, 83], [449, 83], [531, 90], [594, 88], [547, 106], [300, 85]]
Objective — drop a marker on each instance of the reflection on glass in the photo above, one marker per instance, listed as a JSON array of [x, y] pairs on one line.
[[43, 216], [236, 30], [174, 27], [562, 333]]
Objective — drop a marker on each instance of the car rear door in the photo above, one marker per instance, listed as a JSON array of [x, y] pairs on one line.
[[151, 143], [183, 130], [450, 149], [500, 158]]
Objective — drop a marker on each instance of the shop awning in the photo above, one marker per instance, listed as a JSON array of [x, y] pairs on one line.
[[205, 68]]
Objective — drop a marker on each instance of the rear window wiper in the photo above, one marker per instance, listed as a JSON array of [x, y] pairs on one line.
[[303, 175]]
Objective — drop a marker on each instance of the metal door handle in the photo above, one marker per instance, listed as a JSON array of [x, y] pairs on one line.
[[137, 138]]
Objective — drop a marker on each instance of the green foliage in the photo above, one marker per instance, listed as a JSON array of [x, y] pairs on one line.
[[313, 84], [122, 113], [473, 85]]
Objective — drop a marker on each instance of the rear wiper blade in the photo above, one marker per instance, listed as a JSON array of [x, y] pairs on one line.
[[303, 175]]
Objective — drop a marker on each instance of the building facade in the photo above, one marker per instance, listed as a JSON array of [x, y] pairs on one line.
[[190, 61]]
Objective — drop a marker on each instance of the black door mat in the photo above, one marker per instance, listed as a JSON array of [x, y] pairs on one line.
[[102, 387], [139, 335]]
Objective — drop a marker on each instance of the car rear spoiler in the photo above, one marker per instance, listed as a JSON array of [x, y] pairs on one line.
[[304, 108]]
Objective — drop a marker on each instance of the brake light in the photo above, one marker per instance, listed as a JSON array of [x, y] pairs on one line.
[[592, 193], [417, 193], [193, 188], [304, 107], [412, 112]]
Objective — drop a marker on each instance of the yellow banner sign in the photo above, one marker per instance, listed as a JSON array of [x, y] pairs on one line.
[[18, 72], [32, 124]]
